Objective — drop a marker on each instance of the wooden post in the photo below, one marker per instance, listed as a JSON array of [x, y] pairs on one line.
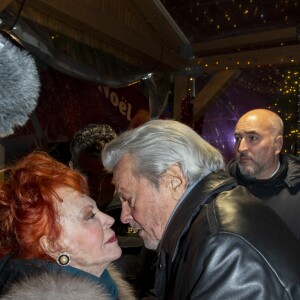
[[180, 92]]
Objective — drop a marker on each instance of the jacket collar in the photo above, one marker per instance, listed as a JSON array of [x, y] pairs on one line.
[[202, 193], [288, 173]]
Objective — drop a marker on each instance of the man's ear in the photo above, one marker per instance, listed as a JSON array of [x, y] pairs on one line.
[[176, 181], [278, 144]]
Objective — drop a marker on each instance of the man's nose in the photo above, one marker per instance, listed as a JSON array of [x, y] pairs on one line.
[[126, 213], [241, 145]]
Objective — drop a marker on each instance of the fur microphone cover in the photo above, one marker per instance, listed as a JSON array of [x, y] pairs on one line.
[[19, 86]]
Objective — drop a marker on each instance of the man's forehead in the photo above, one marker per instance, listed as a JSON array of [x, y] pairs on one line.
[[123, 167], [123, 179], [252, 126], [246, 132]]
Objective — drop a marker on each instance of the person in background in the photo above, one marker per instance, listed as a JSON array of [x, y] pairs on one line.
[[49, 224], [85, 148], [214, 239], [137, 263], [260, 165]]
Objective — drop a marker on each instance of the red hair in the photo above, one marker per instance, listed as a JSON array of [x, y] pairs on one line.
[[27, 203]]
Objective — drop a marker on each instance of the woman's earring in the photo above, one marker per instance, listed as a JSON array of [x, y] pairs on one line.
[[63, 259]]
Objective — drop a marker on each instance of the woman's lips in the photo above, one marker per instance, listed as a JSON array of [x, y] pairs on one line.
[[112, 239]]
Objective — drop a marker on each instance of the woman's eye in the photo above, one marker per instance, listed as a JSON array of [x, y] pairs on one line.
[[91, 216]]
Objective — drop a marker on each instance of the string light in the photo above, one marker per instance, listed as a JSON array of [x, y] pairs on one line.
[[232, 16], [208, 20]]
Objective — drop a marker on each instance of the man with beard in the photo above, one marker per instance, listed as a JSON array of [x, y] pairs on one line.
[[260, 165]]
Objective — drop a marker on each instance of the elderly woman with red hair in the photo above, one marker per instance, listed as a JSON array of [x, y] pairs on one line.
[[50, 225]]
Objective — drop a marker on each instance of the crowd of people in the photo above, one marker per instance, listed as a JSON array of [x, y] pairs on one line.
[[151, 213], [154, 213]]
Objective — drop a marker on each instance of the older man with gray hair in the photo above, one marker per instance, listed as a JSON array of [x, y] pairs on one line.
[[214, 239]]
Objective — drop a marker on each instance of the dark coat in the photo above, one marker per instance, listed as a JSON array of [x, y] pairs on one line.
[[223, 243], [281, 192]]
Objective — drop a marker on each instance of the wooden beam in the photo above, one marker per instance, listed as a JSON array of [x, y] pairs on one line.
[[4, 4], [158, 18], [250, 59], [254, 39], [108, 29], [213, 88]]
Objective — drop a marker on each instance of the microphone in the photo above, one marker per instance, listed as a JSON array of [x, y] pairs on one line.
[[19, 86]]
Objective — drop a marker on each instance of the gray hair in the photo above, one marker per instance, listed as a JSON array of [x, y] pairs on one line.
[[158, 144]]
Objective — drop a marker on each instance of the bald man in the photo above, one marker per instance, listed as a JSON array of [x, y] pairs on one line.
[[259, 165]]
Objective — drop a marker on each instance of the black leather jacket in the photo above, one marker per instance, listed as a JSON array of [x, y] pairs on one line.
[[223, 243], [281, 192]]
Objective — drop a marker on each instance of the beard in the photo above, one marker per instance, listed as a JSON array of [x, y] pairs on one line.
[[251, 169], [149, 241]]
